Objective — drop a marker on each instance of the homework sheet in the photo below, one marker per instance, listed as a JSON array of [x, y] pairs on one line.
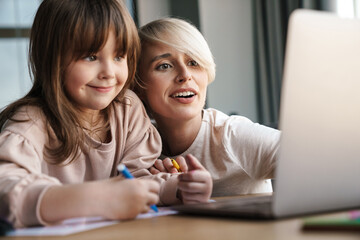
[[76, 225]]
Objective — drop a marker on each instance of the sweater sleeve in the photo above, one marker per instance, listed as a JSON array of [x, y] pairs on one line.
[[21, 182], [143, 147], [256, 146]]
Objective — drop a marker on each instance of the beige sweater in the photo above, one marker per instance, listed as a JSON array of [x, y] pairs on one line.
[[25, 174]]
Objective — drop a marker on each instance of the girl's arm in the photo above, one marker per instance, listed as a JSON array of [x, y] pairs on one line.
[[111, 198]]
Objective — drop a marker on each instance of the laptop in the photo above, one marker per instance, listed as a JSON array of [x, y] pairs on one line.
[[318, 169]]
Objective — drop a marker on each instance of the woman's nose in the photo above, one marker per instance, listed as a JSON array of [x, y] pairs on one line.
[[183, 76]]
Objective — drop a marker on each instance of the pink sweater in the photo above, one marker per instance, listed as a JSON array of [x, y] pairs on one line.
[[25, 174]]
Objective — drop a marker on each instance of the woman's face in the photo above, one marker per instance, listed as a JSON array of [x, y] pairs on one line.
[[175, 83]]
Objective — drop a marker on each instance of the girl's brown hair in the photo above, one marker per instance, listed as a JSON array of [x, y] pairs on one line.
[[63, 31]]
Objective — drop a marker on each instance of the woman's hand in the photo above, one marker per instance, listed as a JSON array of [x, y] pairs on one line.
[[195, 185], [167, 166]]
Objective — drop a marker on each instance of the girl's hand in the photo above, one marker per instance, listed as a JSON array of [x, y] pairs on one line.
[[113, 198], [195, 185], [127, 198], [167, 166]]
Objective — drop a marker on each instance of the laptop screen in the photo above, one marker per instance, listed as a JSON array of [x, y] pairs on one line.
[[319, 165]]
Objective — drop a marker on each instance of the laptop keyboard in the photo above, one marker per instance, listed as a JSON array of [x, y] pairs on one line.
[[248, 204], [248, 207]]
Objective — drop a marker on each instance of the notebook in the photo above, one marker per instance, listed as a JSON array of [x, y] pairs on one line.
[[318, 169]]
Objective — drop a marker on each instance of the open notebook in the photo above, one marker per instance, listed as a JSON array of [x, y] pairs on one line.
[[318, 168]]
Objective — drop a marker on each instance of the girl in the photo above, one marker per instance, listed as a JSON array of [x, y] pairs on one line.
[[61, 142], [173, 75]]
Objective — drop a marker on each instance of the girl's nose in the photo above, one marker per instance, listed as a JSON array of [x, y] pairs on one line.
[[107, 70], [183, 76]]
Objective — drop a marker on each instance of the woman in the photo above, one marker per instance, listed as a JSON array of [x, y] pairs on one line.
[[175, 68]]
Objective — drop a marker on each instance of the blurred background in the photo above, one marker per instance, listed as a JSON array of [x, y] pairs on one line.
[[247, 39]]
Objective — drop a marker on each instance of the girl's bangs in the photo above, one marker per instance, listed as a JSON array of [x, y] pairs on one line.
[[91, 33]]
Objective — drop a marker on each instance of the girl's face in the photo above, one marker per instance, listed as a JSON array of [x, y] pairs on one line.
[[92, 82], [175, 83]]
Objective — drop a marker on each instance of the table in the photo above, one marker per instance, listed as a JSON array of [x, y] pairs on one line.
[[195, 227]]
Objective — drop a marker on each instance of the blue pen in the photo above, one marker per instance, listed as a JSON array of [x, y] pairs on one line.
[[124, 171]]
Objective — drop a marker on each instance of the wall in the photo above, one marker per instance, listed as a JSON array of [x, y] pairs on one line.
[[227, 27], [148, 10]]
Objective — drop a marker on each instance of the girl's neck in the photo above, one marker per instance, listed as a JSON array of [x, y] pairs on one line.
[[89, 120], [96, 126], [177, 136]]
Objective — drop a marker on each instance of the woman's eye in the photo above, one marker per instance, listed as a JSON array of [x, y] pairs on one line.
[[193, 63], [90, 58], [163, 66]]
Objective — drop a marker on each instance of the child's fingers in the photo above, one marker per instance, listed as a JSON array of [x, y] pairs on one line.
[[153, 198], [145, 209], [159, 165], [193, 163], [153, 186]]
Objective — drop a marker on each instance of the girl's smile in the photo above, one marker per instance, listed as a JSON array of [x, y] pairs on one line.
[[102, 89]]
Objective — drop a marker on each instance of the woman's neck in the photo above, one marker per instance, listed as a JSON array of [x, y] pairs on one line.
[[177, 136]]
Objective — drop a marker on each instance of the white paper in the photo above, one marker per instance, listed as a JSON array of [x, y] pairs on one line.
[[75, 225]]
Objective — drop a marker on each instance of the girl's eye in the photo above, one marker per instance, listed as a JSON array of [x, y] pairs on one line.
[[90, 58], [163, 66], [193, 63], [118, 59]]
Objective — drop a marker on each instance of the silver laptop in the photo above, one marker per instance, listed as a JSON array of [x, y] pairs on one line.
[[318, 169]]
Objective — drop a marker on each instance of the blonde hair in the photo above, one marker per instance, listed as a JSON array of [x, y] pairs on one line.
[[184, 37]]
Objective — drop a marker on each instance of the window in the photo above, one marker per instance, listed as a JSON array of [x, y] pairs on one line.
[[348, 8], [16, 17]]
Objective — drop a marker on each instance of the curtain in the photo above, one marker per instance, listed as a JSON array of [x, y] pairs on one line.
[[270, 29]]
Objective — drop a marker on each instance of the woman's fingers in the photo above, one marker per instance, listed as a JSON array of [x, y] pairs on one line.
[[182, 163], [169, 166]]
